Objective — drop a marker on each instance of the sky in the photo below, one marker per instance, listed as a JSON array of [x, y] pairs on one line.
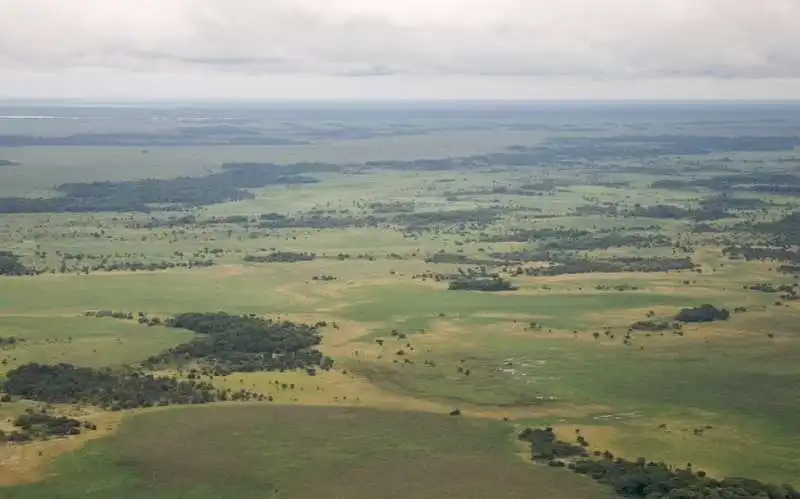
[[400, 49]]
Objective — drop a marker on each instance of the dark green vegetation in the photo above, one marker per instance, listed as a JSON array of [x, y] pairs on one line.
[[67, 384], [280, 257], [643, 478], [42, 425], [253, 452], [230, 343], [570, 265], [11, 266], [545, 446], [785, 231], [495, 284], [762, 182], [140, 195], [9, 342], [703, 313]]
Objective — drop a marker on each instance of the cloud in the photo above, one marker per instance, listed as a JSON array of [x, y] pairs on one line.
[[594, 39]]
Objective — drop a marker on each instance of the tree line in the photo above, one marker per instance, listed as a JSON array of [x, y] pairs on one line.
[[230, 184], [642, 478], [573, 265], [105, 388], [280, 257], [481, 284]]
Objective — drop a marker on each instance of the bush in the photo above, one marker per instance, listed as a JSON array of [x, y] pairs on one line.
[[703, 313]]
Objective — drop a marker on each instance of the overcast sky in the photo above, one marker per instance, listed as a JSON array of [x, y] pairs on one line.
[[413, 49]]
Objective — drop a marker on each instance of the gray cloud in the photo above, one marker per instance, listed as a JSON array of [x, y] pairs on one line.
[[541, 38]]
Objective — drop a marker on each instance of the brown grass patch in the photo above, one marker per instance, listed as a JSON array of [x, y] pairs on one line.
[[28, 463]]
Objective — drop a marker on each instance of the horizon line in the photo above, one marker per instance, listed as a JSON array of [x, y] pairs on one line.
[[130, 101]]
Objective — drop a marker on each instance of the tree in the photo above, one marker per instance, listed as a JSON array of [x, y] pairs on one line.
[[11, 266]]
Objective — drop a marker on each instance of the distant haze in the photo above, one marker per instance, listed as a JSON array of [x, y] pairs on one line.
[[407, 49]]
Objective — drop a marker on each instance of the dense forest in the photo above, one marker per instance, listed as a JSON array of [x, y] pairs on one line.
[[231, 343], [68, 384], [229, 184]]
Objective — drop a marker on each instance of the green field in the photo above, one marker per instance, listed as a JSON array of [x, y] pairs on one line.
[[557, 350], [255, 452]]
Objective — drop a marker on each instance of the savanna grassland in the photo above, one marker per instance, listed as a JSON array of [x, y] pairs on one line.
[[365, 302]]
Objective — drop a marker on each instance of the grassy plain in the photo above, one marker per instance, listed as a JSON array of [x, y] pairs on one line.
[[258, 452], [376, 425]]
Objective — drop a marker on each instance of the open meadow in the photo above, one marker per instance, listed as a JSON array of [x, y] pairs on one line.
[[375, 303]]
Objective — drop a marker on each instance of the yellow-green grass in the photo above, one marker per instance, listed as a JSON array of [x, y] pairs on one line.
[[29, 463], [557, 310], [82, 341]]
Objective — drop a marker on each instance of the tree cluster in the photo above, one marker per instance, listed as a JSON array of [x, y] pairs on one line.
[[140, 317], [652, 326], [771, 288], [572, 265], [656, 480], [762, 253], [455, 258], [112, 390], [141, 195], [41, 425], [545, 446], [668, 211], [11, 266], [231, 343], [646, 479], [762, 181], [9, 341], [618, 287], [491, 284], [280, 257], [785, 231], [789, 269], [475, 219], [612, 240], [703, 313]]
